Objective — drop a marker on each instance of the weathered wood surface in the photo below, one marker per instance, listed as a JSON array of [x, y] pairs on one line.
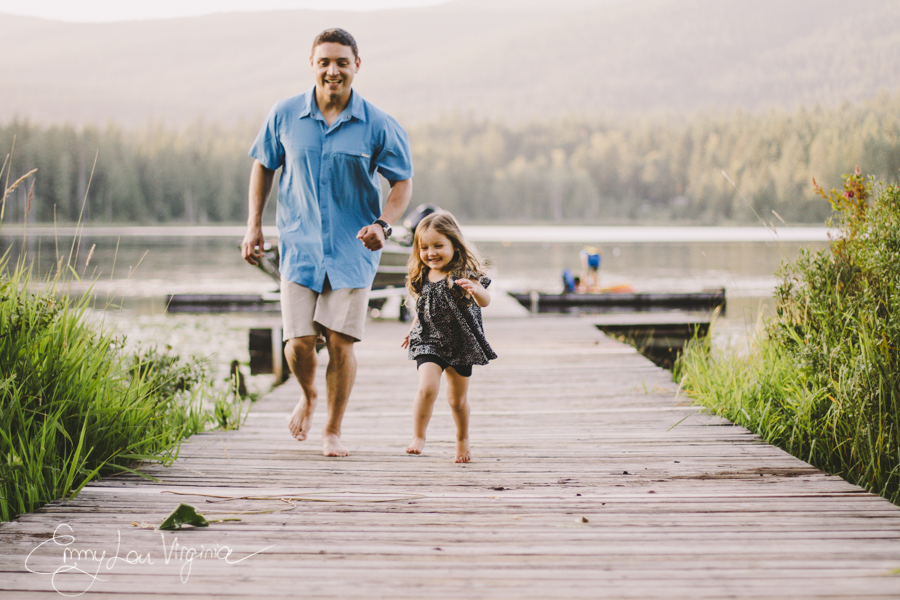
[[590, 479]]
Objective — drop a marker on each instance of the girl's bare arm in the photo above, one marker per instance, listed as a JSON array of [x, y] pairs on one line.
[[405, 342]]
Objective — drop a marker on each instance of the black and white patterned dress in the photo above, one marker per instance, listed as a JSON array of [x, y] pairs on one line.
[[449, 324]]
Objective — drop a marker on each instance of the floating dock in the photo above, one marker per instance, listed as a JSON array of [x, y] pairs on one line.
[[660, 336], [571, 302]]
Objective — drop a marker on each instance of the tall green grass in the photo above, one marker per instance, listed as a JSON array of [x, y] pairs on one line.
[[73, 404], [822, 380]]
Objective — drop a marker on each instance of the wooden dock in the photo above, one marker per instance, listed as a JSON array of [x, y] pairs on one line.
[[587, 303], [590, 479]]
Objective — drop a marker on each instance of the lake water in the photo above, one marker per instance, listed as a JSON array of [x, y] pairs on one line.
[[138, 267], [150, 262]]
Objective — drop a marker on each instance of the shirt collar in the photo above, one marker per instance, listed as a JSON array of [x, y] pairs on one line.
[[355, 108]]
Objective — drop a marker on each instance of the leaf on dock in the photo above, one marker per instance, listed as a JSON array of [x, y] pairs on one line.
[[185, 514]]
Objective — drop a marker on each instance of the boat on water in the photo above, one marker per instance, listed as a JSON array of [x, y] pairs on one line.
[[389, 282], [391, 271]]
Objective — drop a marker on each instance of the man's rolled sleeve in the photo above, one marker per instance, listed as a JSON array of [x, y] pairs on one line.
[[267, 148], [394, 160]]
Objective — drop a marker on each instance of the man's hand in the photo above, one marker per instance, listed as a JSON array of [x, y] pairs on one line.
[[261, 180], [252, 246], [372, 237]]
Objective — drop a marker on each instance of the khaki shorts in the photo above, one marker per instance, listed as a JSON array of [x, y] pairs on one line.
[[305, 312]]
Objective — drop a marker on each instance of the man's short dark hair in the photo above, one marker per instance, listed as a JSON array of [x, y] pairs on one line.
[[336, 36]]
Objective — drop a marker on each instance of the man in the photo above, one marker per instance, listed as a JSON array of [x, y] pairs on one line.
[[332, 224]]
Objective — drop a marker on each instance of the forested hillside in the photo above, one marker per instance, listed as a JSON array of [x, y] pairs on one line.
[[599, 111], [506, 60], [577, 170]]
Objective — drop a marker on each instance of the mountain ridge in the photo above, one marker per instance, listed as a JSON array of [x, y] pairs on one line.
[[497, 59]]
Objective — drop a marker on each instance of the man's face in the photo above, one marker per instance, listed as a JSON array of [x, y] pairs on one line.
[[334, 67]]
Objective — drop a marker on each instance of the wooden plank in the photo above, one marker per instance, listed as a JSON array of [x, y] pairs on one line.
[[591, 478]]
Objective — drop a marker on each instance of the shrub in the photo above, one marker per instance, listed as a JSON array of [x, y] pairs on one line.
[[72, 404], [823, 378]]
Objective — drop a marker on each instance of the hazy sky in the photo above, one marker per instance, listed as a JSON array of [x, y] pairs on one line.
[[127, 10]]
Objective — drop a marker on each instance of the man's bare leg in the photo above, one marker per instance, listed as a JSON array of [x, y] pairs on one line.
[[301, 356], [429, 386], [339, 378], [458, 397]]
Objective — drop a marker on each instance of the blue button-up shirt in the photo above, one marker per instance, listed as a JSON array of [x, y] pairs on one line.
[[329, 187]]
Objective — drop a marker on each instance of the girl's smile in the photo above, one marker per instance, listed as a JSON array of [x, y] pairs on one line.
[[435, 250]]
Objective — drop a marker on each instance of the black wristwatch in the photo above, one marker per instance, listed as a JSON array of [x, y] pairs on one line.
[[385, 226]]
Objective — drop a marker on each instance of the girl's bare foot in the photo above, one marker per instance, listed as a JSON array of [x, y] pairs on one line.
[[332, 446], [416, 446], [301, 419], [462, 451]]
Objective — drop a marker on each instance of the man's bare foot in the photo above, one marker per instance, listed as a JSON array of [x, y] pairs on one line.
[[462, 451], [301, 419], [416, 446], [332, 446]]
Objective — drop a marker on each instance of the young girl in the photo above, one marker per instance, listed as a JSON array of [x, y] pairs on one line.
[[446, 280]]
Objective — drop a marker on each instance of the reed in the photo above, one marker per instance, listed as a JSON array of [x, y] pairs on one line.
[[822, 380], [73, 404]]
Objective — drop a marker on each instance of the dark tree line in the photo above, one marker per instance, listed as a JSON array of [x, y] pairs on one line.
[[726, 167], [155, 175]]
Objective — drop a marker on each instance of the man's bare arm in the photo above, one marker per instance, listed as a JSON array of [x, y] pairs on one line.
[[261, 180], [394, 207]]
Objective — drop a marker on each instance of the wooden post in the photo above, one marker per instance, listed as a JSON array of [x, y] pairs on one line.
[[267, 353], [279, 362]]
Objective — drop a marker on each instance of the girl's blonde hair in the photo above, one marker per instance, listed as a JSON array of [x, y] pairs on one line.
[[465, 262]]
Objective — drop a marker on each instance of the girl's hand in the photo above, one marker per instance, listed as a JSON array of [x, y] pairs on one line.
[[470, 286], [476, 290], [405, 342]]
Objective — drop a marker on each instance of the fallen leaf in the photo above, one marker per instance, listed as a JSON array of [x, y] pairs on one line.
[[185, 514]]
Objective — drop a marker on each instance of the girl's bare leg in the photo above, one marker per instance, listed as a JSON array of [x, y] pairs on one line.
[[458, 397], [429, 386]]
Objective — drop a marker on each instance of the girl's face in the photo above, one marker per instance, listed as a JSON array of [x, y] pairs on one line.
[[435, 250]]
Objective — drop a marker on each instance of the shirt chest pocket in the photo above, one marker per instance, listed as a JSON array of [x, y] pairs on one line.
[[352, 158], [353, 175], [351, 148]]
